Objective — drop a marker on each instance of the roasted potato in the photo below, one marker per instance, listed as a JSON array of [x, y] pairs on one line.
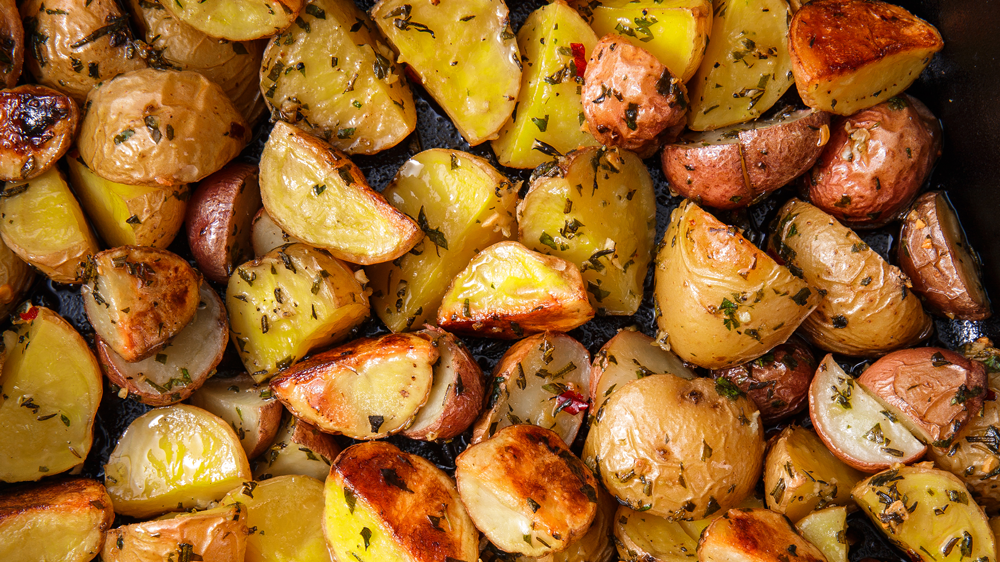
[[37, 125], [597, 545], [554, 42], [935, 254], [974, 455], [173, 459], [219, 219], [867, 308], [875, 162], [45, 226], [508, 291], [694, 528], [267, 299], [722, 301], [607, 230], [72, 45], [385, 504], [214, 535], [237, 20], [59, 520], [746, 69], [463, 204], [680, 449], [251, 410], [298, 449], [847, 55], [641, 536], [542, 380], [266, 235], [160, 128], [630, 99], [139, 298], [741, 164], [51, 391], [452, 47], [366, 389], [16, 278], [11, 44], [778, 381], [826, 529], [315, 193], [758, 535], [854, 425], [357, 100], [926, 512], [526, 491]]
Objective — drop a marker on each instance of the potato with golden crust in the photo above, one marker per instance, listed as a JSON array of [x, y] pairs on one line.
[[251, 410], [847, 55], [160, 128], [37, 126], [62, 520], [237, 20], [214, 535], [739, 165], [11, 44], [16, 278], [876, 162], [298, 448], [778, 381], [755, 535], [630, 99], [935, 254], [974, 455]]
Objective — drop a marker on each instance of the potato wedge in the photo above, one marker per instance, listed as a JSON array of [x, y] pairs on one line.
[[722, 301], [268, 317], [826, 529], [559, 218], [16, 278], [219, 219], [694, 528], [251, 410], [526, 491], [597, 545], [553, 41], [641, 536], [854, 426], [848, 55], [51, 391], [749, 59], [385, 504], [508, 291], [542, 380], [448, 51], [45, 226], [287, 515], [11, 44], [315, 193], [58, 520], [38, 125], [366, 389], [759, 535], [337, 79], [237, 20], [266, 235], [926, 512], [214, 535], [172, 459], [974, 455], [139, 298], [867, 309], [298, 449], [463, 204], [778, 381]]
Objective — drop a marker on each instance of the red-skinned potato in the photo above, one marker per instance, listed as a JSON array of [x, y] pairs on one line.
[[219, 217], [37, 126], [11, 44]]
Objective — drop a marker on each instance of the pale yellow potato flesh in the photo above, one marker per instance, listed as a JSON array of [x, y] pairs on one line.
[[236, 20], [297, 449], [644, 536], [827, 530], [251, 410]]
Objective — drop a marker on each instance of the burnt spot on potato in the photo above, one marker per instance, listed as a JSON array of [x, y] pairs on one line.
[[37, 125]]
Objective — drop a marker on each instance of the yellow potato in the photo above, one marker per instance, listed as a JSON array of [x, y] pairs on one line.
[[237, 20], [214, 535]]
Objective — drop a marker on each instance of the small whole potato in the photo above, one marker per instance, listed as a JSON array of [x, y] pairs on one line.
[[778, 381], [37, 126]]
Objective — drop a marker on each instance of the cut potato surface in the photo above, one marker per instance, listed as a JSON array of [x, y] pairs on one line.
[[452, 47], [755, 535], [214, 535], [37, 125], [174, 458], [315, 193], [366, 389], [267, 235], [298, 449], [463, 205], [237, 20], [826, 529], [643, 536], [51, 390], [600, 214], [16, 278], [251, 410]]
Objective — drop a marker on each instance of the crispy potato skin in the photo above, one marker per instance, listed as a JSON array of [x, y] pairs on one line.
[[11, 43], [16, 278], [218, 222], [970, 456], [37, 126], [630, 99], [759, 535], [777, 382], [215, 535]]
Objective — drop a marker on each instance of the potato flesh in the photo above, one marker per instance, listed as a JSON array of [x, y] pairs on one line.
[[52, 387], [45, 226], [214, 535], [267, 235], [431, 38], [749, 57], [174, 458], [250, 410], [345, 519], [336, 78], [16, 277], [754, 535], [971, 458], [463, 198], [69, 537], [627, 357], [827, 530], [644, 536], [607, 227], [289, 455], [237, 20], [548, 106]]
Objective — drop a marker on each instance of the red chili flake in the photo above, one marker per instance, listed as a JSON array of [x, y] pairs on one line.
[[991, 395], [30, 315], [579, 57], [571, 402]]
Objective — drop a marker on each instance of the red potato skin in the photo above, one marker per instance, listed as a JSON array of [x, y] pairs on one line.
[[221, 208]]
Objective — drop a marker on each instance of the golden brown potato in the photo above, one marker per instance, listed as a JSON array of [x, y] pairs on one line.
[[139, 298], [219, 217], [875, 162], [755, 535], [974, 455], [266, 235], [366, 389], [160, 128], [641, 536], [935, 254], [237, 20], [298, 448], [16, 278], [214, 535], [37, 126], [251, 410], [849, 54], [778, 381], [630, 99], [867, 308], [58, 520], [526, 491], [11, 44], [739, 165], [826, 529]]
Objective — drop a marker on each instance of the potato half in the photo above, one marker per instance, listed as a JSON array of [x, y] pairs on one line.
[[237, 20], [722, 301], [251, 410], [16, 278], [298, 449], [266, 235], [214, 535], [52, 387], [755, 535], [38, 125], [385, 504], [11, 44], [641, 536], [778, 381], [826, 529]]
